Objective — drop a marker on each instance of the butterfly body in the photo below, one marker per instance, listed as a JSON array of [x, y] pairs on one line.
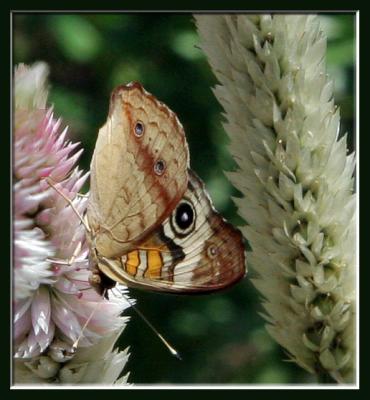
[[152, 224]]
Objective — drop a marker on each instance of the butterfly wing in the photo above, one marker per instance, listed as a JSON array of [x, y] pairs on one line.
[[194, 251], [138, 170]]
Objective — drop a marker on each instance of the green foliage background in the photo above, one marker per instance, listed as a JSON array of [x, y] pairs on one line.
[[221, 337]]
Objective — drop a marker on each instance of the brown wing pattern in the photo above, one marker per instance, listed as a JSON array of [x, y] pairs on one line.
[[207, 255], [138, 170]]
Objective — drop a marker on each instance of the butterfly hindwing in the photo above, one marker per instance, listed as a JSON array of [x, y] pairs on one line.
[[194, 251]]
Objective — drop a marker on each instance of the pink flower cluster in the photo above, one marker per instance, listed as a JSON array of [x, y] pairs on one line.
[[52, 298]]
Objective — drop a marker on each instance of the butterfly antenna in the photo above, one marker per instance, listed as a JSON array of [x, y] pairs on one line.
[[169, 347], [69, 201]]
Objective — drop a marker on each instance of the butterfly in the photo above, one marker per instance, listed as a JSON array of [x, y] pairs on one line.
[[151, 222]]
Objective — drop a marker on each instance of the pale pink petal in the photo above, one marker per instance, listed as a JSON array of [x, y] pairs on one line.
[[65, 320], [41, 310], [22, 326], [66, 286], [37, 343]]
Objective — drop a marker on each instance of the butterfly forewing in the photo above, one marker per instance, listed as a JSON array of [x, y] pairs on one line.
[[138, 171]]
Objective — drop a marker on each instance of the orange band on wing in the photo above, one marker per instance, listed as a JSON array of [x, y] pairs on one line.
[[154, 264], [133, 261]]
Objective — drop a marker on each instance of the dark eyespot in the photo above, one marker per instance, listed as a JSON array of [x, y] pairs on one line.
[[184, 216], [159, 167], [139, 129]]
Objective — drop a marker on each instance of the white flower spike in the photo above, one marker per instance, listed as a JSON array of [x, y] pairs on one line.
[[296, 178]]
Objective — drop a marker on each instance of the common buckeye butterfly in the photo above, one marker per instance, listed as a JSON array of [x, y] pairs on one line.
[[151, 222]]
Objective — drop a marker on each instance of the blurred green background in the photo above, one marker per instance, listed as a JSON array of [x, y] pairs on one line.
[[221, 337]]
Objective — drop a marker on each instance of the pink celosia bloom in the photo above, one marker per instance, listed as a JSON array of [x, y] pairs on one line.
[[52, 299]]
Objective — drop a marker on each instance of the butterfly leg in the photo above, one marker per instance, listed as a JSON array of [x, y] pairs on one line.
[[68, 261], [69, 201]]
